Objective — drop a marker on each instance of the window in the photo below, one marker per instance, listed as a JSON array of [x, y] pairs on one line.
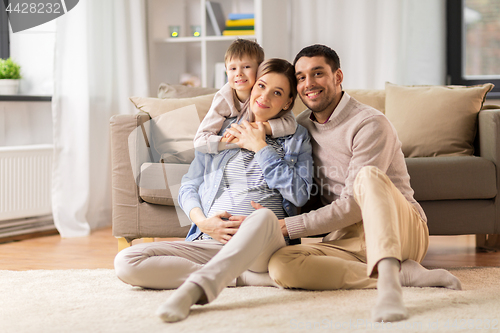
[[473, 50]]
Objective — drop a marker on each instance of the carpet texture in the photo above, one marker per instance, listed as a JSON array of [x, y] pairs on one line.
[[72, 301]]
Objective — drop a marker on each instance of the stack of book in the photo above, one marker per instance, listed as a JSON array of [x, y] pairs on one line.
[[240, 24]]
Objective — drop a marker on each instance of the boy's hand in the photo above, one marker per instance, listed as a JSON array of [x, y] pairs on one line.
[[229, 138], [267, 127]]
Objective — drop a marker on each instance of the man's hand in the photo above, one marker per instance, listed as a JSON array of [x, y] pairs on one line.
[[219, 229], [284, 230]]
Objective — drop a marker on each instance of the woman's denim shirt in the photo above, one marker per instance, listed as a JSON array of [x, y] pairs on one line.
[[291, 176]]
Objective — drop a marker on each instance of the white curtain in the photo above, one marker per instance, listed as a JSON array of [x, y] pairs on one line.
[[401, 41], [100, 60]]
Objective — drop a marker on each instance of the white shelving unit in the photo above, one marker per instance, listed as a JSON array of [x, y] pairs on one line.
[[171, 57]]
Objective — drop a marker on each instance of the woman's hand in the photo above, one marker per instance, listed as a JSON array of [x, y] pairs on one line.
[[250, 138], [219, 229], [283, 228]]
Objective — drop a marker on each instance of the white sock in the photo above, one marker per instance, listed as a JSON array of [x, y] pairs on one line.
[[389, 306], [249, 278], [415, 275], [177, 306]]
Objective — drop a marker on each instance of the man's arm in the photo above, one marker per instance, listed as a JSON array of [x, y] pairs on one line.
[[373, 144]]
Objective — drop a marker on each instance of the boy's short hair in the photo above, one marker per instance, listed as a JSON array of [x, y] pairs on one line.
[[244, 47], [331, 57]]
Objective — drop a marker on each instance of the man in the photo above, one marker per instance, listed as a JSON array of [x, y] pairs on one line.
[[376, 231]]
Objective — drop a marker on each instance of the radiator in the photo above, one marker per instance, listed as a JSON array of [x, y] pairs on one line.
[[25, 188]]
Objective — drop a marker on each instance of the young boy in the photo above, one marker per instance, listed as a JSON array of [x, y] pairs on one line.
[[242, 59]]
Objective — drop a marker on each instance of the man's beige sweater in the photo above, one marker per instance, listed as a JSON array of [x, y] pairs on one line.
[[356, 135]]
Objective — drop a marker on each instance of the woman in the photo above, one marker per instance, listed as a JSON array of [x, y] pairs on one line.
[[231, 246]]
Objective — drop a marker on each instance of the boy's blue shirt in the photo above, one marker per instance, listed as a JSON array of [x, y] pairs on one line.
[[292, 176]]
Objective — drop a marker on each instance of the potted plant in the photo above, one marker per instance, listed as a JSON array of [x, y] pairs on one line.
[[10, 73]]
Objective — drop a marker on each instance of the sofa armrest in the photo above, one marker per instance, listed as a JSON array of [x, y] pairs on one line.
[[489, 148], [489, 135], [129, 149]]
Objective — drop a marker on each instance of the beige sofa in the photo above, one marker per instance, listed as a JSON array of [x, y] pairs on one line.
[[458, 190]]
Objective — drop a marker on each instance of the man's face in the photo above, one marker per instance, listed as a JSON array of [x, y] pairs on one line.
[[318, 86]]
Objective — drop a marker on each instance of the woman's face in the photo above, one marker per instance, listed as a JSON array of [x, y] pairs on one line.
[[269, 96]]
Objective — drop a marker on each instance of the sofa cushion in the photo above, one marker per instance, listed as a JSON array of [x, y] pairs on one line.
[[435, 120], [157, 106], [298, 106], [174, 124], [452, 177], [372, 97], [159, 183]]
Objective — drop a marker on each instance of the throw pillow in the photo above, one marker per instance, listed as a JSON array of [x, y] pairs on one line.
[[173, 124], [156, 106], [372, 97], [435, 120], [166, 90], [298, 106]]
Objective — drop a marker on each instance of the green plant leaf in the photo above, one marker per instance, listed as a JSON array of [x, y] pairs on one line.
[[9, 69]]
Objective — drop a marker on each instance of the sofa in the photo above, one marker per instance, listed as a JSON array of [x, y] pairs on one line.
[[456, 183]]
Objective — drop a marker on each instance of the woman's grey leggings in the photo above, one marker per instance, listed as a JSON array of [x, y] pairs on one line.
[[208, 263]]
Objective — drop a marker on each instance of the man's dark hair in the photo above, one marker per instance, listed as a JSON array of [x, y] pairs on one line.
[[316, 50]]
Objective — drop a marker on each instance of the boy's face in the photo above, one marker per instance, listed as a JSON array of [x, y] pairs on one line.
[[241, 73]]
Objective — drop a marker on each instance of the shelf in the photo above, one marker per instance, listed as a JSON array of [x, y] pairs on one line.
[[172, 58], [199, 39], [25, 98], [179, 40], [228, 38]]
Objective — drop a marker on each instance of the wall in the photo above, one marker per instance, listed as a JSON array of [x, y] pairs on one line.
[[23, 122], [403, 42], [33, 49]]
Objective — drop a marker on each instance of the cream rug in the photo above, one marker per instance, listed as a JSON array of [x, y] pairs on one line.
[[72, 301]]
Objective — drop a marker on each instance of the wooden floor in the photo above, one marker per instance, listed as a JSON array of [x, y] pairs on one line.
[[99, 249]]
